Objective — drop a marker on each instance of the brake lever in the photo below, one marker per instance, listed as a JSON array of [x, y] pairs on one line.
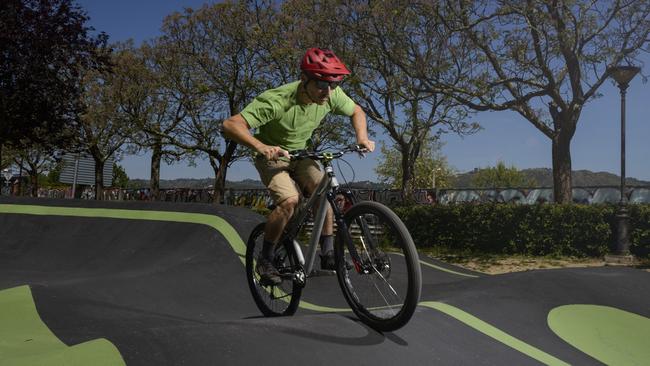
[[362, 151]]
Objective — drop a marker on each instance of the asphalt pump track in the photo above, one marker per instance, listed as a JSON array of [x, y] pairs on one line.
[[114, 283]]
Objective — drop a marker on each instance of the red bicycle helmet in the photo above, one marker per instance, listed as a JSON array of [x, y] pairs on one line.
[[322, 64]]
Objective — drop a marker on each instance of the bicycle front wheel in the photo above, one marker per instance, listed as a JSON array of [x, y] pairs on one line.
[[383, 287], [284, 298]]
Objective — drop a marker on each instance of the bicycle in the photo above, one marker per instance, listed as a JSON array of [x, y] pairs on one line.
[[377, 265]]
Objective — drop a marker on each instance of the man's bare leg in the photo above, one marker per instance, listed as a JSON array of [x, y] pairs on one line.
[[276, 222], [269, 275]]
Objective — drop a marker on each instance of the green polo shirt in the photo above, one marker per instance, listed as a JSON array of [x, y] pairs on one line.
[[281, 121]]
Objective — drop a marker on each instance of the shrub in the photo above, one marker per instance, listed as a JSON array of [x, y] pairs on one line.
[[550, 229]]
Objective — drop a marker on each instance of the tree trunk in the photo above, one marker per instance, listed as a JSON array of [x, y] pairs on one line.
[[99, 179], [562, 167], [408, 166], [218, 188], [33, 176], [221, 171], [154, 182]]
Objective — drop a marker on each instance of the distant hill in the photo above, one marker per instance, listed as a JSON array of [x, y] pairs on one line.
[[365, 184], [544, 178]]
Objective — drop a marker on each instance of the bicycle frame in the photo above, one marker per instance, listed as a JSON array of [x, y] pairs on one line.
[[322, 196]]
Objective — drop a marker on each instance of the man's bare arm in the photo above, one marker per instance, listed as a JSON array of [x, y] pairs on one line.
[[361, 128], [238, 129]]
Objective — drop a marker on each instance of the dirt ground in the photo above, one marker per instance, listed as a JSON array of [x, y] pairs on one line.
[[506, 264]]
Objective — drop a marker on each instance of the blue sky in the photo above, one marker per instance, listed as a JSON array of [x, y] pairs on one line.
[[506, 136]]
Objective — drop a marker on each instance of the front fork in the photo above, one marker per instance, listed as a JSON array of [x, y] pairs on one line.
[[342, 232]]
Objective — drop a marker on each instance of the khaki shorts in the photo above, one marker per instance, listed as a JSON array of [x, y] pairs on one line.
[[281, 177]]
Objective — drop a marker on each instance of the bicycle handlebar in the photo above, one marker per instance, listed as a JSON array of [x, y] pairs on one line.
[[324, 155]]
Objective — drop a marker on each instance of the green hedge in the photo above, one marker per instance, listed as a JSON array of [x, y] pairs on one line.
[[640, 230], [549, 229]]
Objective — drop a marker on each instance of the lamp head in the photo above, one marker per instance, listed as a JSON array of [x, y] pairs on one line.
[[623, 74]]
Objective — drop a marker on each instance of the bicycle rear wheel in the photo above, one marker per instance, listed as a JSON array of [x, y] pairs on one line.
[[383, 289], [284, 298]]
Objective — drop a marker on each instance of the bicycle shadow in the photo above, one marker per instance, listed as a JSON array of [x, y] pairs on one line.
[[370, 338]]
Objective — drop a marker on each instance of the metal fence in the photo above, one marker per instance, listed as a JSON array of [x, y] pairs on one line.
[[582, 195], [259, 198]]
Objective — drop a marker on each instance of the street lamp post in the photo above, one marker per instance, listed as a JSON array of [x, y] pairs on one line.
[[622, 75]]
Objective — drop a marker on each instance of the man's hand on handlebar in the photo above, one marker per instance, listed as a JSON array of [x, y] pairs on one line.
[[368, 145], [273, 152]]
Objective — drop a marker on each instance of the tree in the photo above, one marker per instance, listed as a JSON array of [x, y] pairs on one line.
[[412, 116], [44, 45], [501, 176], [7, 159], [34, 161], [541, 59], [221, 71], [148, 88], [120, 178], [104, 127], [334, 133], [54, 174], [431, 168]]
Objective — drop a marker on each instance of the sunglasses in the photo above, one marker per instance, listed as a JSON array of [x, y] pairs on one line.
[[323, 85]]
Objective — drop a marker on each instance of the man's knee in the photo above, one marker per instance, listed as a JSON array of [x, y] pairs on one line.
[[288, 205], [310, 186]]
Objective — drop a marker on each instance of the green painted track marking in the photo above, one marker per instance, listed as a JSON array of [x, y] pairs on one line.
[[448, 270], [26, 340], [493, 332], [610, 335], [443, 268], [213, 221]]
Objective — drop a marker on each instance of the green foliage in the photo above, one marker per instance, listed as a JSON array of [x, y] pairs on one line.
[[501, 176], [261, 210], [120, 179], [431, 168], [45, 47], [640, 230], [560, 230], [50, 178], [6, 157]]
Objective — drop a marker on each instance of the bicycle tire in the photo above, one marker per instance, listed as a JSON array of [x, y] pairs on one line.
[[280, 300], [386, 296]]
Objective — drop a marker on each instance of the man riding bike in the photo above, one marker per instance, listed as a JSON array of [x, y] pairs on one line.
[[285, 118]]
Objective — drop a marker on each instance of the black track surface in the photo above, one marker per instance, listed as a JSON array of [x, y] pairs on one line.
[[175, 294]]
